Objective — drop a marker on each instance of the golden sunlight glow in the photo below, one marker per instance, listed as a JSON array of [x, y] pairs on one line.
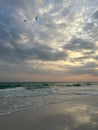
[[74, 54]]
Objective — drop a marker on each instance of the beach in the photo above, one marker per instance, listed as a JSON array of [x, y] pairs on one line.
[[77, 114]]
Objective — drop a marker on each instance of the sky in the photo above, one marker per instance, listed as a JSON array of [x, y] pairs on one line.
[[60, 45]]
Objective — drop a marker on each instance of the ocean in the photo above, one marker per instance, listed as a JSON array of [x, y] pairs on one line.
[[16, 96]]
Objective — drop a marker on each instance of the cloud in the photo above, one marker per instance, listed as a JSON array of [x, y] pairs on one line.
[[61, 30], [46, 53], [16, 52], [96, 14], [96, 57], [79, 44], [89, 68], [12, 47], [91, 23], [84, 57]]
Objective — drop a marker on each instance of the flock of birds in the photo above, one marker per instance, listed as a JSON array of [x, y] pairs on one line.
[[26, 20]]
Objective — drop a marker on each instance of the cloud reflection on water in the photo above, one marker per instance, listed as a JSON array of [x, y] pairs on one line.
[[74, 116]]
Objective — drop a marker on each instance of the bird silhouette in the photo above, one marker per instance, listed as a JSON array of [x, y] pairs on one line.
[[25, 20], [36, 17]]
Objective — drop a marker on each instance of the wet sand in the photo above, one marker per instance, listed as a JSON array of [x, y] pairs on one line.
[[76, 114]]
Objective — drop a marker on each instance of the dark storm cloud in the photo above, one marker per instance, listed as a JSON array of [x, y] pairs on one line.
[[80, 44]]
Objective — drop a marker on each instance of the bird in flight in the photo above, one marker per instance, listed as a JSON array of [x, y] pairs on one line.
[[35, 19], [25, 20]]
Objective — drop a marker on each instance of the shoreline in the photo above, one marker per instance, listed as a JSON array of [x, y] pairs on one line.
[[34, 107]]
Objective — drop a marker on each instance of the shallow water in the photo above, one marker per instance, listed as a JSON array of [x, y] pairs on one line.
[[18, 98]]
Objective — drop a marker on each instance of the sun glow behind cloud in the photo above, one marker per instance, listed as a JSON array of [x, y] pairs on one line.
[[62, 44]]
